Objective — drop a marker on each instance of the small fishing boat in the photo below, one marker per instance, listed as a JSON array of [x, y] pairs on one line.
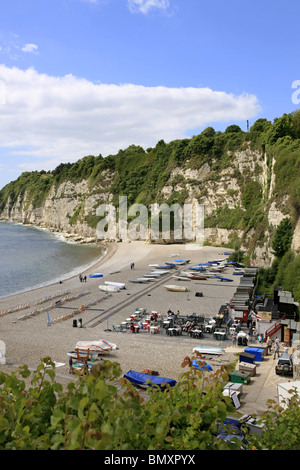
[[196, 277], [96, 275], [182, 261], [109, 288], [182, 278], [145, 380], [120, 285], [197, 363], [209, 350], [224, 278], [161, 272], [217, 268], [98, 346], [176, 288], [140, 280], [152, 275]]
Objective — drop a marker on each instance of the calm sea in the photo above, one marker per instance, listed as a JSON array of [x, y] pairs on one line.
[[31, 257]]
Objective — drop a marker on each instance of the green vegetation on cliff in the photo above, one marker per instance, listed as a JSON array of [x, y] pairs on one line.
[[269, 173], [141, 174]]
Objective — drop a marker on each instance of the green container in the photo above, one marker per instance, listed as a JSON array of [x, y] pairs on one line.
[[240, 377]]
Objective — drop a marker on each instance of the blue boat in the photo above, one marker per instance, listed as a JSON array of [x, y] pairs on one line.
[[198, 268], [196, 364], [224, 278], [96, 275], [182, 261], [145, 380]]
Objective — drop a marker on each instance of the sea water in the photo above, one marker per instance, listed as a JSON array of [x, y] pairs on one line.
[[31, 257]]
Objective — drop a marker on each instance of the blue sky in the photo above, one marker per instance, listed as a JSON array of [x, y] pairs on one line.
[[80, 77]]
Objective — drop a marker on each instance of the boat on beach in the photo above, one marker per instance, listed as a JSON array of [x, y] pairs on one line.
[[175, 288], [98, 346], [227, 279], [109, 288], [209, 350], [147, 380], [182, 278], [96, 275], [197, 277], [142, 280], [120, 285]]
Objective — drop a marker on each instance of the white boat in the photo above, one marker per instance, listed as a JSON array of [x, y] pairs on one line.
[[176, 288], [120, 285], [161, 272], [209, 350], [99, 346], [152, 275], [109, 288], [181, 278]]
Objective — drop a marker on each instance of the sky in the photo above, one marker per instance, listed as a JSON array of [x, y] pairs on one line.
[[90, 77]]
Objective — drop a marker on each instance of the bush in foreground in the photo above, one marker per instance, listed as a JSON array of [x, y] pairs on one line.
[[103, 412]]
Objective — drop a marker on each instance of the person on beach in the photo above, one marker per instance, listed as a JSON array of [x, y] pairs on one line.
[[276, 348], [70, 365], [269, 344], [234, 335]]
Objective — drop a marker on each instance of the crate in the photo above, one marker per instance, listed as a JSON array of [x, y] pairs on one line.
[[247, 367], [239, 376], [258, 353], [247, 357]]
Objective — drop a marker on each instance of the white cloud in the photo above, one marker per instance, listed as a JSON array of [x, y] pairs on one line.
[[144, 6], [30, 48], [60, 119]]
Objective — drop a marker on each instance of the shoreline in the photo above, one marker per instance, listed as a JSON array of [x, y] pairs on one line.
[[66, 276]]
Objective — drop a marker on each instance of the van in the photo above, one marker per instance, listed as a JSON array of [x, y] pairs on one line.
[[284, 365]]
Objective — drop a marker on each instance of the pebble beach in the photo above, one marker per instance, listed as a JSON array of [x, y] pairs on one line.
[[41, 330]]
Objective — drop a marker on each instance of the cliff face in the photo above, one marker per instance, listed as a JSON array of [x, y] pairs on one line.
[[247, 182], [70, 207]]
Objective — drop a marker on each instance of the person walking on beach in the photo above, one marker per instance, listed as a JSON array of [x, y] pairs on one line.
[[269, 344], [234, 335], [70, 365], [276, 348]]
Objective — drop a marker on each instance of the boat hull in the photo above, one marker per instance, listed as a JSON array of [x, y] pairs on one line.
[[209, 350], [145, 380], [176, 288]]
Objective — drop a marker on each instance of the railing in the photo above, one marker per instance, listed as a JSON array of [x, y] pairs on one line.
[[272, 330]]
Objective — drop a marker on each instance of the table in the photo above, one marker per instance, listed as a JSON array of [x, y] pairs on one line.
[[196, 333]]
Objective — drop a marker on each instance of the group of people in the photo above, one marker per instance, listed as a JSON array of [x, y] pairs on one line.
[[82, 278]]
